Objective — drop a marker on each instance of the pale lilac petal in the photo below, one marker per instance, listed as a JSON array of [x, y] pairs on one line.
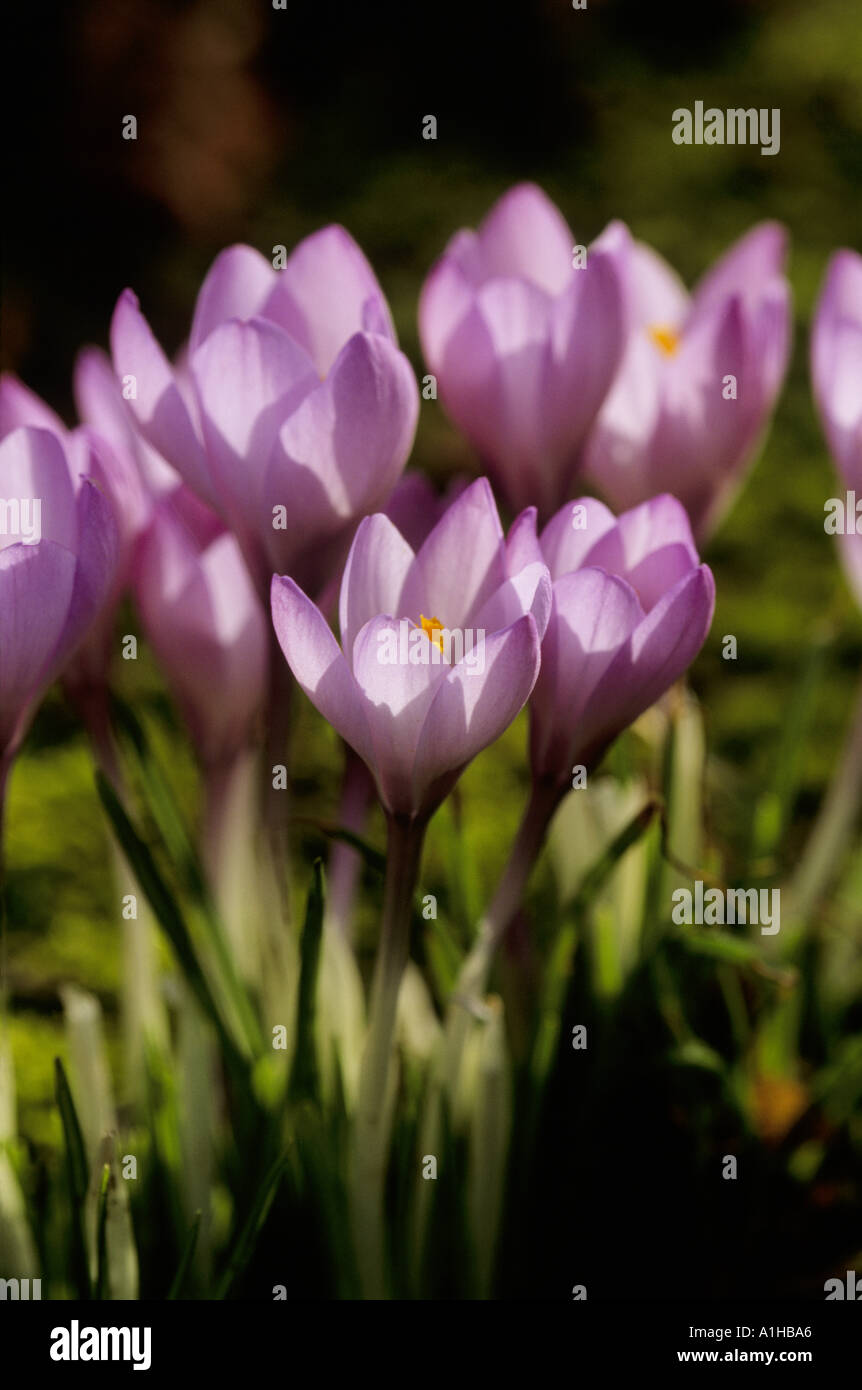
[[527, 591], [473, 706], [659, 297], [341, 452], [745, 269], [397, 695], [248, 377], [34, 471], [651, 547], [319, 666], [525, 235], [21, 406], [374, 575], [573, 532], [35, 590], [593, 616], [158, 405], [98, 552], [462, 562], [660, 649], [325, 294], [237, 286]]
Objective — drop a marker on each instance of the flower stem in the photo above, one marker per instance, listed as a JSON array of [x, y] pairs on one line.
[[832, 828], [403, 854]]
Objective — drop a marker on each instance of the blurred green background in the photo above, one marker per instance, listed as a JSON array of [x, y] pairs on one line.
[[260, 125]]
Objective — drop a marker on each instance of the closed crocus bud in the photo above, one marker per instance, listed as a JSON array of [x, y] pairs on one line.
[[698, 381], [836, 368], [294, 412], [205, 623], [58, 556], [439, 648], [632, 606], [109, 456], [524, 333]]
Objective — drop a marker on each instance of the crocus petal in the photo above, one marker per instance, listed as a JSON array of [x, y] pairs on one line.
[[659, 297], [326, 293], [237, 286], [98, 551], [248, 377], [473, 706], [836, 362], [573, 532], [157, 405], [525, 235], [593, 616], [749, 264], [341, 452], [34, 470], [651, 546], [35, 589], [397, 695], [21, 406], [659, 650], [461, 564], [374, 575], [319, 666]]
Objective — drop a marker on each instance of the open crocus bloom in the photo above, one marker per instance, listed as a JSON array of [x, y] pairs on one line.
[[699, 378], [294, 413], [523, 344], [204, 621], [58, 554], [836, 366], [632, 606], [396, 690]]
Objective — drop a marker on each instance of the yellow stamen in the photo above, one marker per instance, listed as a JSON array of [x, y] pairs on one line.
[[431, 627], [665, 338]]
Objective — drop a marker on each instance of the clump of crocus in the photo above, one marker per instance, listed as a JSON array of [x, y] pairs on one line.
[[836, 368], [524, 332], [632, 605], [58, 555], [698, 380], [293, 412], [439, 652]]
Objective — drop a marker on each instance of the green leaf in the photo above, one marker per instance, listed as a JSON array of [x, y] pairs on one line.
[[718, 945], [304, 1080], [245, 1244], [168, 913], [374, 859], [102, 1233], [187, 1257], [76, 1153], [629, 835]]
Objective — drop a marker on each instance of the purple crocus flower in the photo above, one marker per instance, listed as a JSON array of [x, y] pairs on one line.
[[103, 447], [836, 367], [698, 380], [414, 713], [205, 622], [294, 412], [58, 555], [632, 606], [524, 342]]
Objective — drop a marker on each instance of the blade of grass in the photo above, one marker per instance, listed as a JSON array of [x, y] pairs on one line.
[[304, 1080], [186, 1258], [245, 1244], [102, 1234]]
